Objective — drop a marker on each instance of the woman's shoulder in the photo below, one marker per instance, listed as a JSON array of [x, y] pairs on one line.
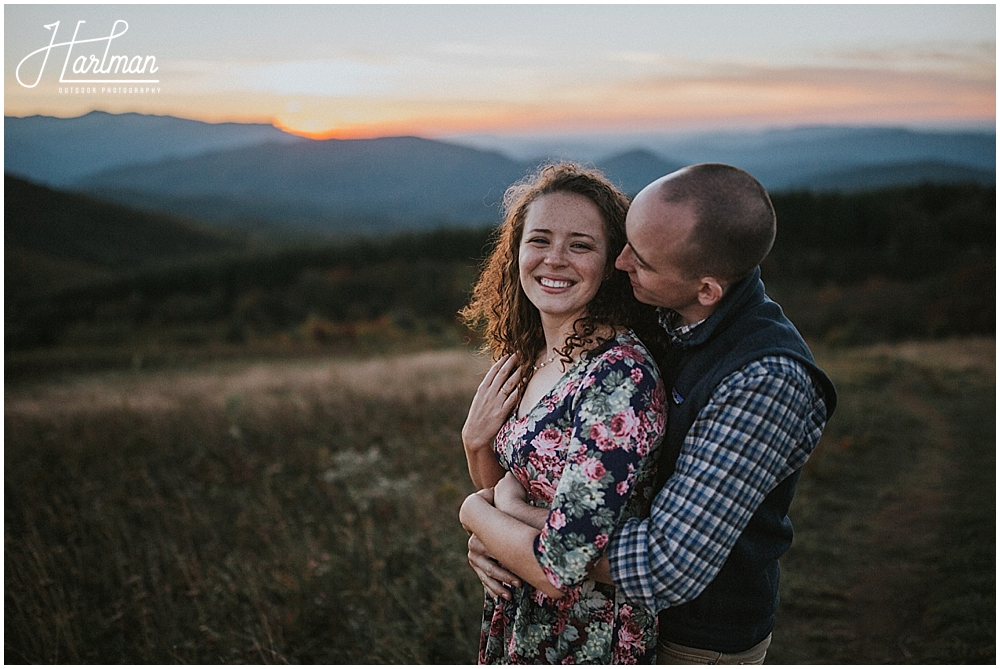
[[624, 349]]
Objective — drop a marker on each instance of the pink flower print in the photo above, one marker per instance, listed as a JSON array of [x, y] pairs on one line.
[[547, 442], [629, 635], [566, 391], [601, 541], [601, 436], [636, 375], [632, 353], [520, 473], [615, 354], [552, 578], [517, 429], [587, 381], [542, 489], [622, 488], [661, 420], [551, 464], [557, 520], [624, 424], [594, 469]]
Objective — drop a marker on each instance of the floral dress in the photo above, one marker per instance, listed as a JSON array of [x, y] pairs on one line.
[[586, 452]]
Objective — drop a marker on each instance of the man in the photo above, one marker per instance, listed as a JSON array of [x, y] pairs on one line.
[[747, 405]]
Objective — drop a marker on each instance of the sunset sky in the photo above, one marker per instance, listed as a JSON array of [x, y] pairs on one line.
[[443, 70]]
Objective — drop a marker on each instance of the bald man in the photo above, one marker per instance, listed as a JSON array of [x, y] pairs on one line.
[[747, 405]]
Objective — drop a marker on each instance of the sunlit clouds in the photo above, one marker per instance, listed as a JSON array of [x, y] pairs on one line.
[[354, 71]]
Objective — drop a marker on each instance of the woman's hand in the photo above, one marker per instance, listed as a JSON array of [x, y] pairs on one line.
[[495, 398]]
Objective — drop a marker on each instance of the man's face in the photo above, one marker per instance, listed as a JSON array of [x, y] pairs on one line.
[[657, 233]]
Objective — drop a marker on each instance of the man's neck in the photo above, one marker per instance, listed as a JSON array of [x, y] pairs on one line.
[[694, 315]]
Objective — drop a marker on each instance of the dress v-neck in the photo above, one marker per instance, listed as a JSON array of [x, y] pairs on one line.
[[559, 383], [563, 379]]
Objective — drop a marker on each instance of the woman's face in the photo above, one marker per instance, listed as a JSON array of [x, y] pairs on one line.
[[563, 254]]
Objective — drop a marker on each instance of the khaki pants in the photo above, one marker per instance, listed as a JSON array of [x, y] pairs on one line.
[[674, 653]]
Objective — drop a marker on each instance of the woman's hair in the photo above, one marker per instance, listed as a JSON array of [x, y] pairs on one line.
[[509, 321]]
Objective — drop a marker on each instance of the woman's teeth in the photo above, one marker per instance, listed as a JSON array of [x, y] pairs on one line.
[[550, 283]]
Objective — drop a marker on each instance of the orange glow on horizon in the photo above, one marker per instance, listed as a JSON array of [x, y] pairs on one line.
[[655, 105], [431, 126], [651, 105]]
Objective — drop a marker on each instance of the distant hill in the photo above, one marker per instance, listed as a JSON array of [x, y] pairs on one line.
[[882, 176], [333, 184], [786, 158], [634, 170], [59, 151], [780, 157], [345, 185], [53, 238]]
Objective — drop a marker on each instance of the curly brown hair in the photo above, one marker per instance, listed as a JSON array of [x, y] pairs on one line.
[[499, 307]]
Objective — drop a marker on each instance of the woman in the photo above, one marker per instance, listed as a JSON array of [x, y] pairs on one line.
[[568, 420]]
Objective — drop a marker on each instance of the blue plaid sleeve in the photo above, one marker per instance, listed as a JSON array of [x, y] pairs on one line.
[[759, 426]]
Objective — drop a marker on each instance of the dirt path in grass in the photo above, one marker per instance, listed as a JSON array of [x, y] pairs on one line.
[[899, 566], [888, 599], [884, 537]]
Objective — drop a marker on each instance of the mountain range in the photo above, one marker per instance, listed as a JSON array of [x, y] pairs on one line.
[[781, 158], [258, 177], [60, 151]]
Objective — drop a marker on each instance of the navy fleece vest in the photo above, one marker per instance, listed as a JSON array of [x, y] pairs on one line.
[[736, 610]]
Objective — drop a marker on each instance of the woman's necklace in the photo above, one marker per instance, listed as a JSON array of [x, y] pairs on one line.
[[538, 367]]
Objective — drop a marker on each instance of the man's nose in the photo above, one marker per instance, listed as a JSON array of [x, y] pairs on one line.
[[624, 259]]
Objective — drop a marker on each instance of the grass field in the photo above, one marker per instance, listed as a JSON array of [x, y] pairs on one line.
[[306, 512]]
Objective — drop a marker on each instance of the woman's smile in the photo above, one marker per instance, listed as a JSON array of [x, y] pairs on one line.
[[555, 285], [563, 254]]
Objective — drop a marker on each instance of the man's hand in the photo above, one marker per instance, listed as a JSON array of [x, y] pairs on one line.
[[489, 570], [601, 571], [512, 499], [509, 494]]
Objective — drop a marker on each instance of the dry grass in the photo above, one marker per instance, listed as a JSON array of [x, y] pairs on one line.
[[266, 386], [306, 512], [261, 513]]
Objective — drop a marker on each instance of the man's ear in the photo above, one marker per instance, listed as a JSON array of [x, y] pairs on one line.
[[710, 291]]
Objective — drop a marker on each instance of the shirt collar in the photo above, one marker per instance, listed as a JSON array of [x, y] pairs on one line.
[[670, 321]]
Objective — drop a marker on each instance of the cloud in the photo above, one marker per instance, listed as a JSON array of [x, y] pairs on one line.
[[334, 78], [975, 59]]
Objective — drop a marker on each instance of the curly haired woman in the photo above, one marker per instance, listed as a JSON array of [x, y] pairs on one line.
[[563, 431]]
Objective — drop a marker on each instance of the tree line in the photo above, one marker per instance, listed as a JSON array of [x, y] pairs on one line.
[[882, 251]]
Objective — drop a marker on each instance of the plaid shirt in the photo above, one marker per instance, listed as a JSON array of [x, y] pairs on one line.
[[759, 426]]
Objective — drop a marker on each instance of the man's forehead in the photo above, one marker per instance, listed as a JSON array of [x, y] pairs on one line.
[[655, 225]]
